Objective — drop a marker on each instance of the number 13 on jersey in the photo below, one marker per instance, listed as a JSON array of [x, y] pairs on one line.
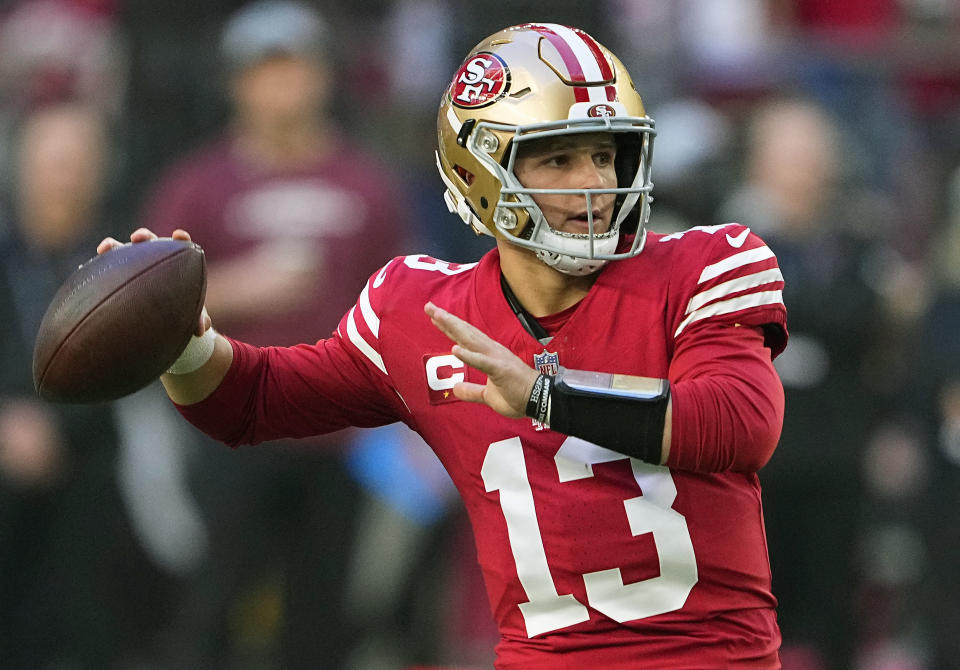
[[504, 470]]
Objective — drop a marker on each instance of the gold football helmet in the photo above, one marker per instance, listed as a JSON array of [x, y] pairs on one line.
[[529, 82]]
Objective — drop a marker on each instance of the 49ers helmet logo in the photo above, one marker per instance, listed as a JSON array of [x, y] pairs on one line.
[[481, 80], [601, 111]]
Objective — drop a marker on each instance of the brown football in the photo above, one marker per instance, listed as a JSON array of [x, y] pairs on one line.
[[119, 321]]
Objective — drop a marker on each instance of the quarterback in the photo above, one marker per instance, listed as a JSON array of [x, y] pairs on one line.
[[601, 395]]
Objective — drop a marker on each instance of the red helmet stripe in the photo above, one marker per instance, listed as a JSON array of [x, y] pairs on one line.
[[584, 60], [605, 70], [570, 60]]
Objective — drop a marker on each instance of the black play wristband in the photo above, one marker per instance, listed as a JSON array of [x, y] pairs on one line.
[[620, 412], [538, 406]]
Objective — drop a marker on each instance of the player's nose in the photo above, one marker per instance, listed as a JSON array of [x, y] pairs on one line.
[[587, 174]]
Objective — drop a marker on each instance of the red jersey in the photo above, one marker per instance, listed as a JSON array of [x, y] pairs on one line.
[[591, 559]]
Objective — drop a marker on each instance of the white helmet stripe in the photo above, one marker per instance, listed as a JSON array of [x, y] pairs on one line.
[[579, 59], [454, 120]]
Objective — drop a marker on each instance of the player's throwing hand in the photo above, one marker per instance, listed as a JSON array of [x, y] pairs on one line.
[[145, 235]]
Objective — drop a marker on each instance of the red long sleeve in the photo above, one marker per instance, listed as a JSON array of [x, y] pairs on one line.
[[271, 393], [728, 401]]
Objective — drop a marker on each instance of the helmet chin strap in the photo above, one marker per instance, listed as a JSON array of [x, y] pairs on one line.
[[553, 244], [579, 244], [571, 265]]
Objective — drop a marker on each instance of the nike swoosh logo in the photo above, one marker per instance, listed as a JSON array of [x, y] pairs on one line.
[[737, 242]]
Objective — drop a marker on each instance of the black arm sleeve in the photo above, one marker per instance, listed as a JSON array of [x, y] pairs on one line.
[[627, 422]]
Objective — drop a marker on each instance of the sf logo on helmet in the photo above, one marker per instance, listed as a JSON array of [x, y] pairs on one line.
[[601, 111], [480, 80]]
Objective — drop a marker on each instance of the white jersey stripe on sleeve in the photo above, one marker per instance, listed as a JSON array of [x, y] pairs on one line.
[[382, 275], [732, 305], [733, 286], [366, 309], [354, 334], [735, 261]]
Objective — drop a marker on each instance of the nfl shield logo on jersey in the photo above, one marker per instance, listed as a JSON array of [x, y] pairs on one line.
[[547, 363]]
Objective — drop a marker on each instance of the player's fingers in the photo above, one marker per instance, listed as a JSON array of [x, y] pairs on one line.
[[181, 234], [107, 244], [459, 330], [468, 391], [205, 322], [430, 309], [475, 359], [446, 322], [142, 235]]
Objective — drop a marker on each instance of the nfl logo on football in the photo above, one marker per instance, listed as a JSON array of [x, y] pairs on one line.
[[546, 363]]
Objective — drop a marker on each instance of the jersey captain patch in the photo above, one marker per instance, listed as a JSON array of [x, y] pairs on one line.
[[443, 372]]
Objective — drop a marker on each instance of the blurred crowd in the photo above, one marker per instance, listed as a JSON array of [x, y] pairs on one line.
[[295, 141]]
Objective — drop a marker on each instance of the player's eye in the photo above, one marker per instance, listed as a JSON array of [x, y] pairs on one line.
[[556, 160], [603, 158]]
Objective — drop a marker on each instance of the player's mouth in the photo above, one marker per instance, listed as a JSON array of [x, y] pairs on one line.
[[580, 223]]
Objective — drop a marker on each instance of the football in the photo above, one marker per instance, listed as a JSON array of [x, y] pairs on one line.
[[119, 321]]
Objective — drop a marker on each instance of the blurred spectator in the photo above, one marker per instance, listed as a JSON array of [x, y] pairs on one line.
[[399, 607], [725, 49], [891, 627], [936, 399], [728, 42], [417, 57], [75, 588], [53, 50], [694, 159], [856, 24], [57, 49], [282, 201], [791, 195], [294, 218]]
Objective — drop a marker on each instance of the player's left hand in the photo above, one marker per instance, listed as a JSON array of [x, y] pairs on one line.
[[509, 379]]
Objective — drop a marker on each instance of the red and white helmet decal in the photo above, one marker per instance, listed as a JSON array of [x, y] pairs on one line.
[[602, 110], [481, 80], [583, 60]]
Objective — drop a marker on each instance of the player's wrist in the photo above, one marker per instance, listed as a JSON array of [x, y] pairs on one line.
[[620, 412], [195, 355], [538, 404]]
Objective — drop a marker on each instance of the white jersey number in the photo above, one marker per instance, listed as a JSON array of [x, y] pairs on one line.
[[504, 470], [422, 262]]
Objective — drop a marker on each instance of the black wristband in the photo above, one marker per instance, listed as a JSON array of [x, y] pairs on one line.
[[628, 422], [538, 405]]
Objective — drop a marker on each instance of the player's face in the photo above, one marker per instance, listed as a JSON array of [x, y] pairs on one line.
[[280, 89], [570, 161]]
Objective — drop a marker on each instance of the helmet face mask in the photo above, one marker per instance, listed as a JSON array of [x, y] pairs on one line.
[[534, 88]]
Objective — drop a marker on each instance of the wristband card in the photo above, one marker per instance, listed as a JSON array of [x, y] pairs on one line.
[[628, 386]]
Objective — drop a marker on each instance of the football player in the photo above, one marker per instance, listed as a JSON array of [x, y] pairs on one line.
[[609, 394]]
